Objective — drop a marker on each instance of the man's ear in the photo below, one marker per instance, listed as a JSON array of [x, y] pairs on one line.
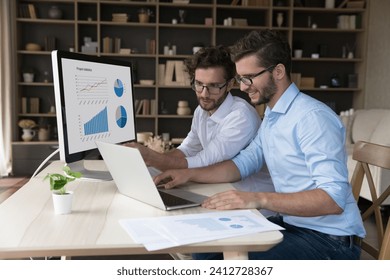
[[230, 84], [279, 72]]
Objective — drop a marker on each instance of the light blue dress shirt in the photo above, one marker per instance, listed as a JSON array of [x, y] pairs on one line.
[[303, 144], [222, 135]]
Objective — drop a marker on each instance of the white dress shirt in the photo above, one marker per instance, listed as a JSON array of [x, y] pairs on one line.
[[222, 135]]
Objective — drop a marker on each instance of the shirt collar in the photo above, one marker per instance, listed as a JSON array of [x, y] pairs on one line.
[[224, 109], [285, 100]]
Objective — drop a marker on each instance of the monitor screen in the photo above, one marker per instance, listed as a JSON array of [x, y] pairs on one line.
[[94, 101]]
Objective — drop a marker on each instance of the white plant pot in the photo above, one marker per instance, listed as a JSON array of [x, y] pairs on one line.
[[62, 203]]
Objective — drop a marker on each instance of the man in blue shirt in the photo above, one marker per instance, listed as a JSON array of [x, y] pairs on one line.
[[302, 142]]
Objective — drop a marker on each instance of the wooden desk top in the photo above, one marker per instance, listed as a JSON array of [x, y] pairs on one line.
[[29, 227]]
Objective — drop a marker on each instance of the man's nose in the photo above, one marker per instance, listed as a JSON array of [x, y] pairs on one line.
[[243, 87]]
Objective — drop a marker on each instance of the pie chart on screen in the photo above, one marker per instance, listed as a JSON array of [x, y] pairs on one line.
[[118, 87], [121, 116]]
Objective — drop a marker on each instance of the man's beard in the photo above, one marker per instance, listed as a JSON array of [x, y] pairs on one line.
[[267, 92], [215, 103]]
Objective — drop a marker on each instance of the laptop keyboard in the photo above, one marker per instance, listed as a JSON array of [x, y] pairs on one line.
[[171, 200]]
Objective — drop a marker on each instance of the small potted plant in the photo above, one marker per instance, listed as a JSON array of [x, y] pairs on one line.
[[62, 199]]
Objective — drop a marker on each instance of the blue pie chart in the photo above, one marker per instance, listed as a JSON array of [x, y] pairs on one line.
[[118, 87], [121, 116], [236, 226]]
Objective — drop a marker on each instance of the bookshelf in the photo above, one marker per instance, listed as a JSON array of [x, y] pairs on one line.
[[161, 41]]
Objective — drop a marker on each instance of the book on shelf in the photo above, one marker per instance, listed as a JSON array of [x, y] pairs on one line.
[[181, 75], [355, 4], [112, 45], [32, 11], [146, 107], [153, 106], [138, 106], [24, 11], [107, 45], [24, 105], [179, 72], [34, 105], [253, 3], [161, 74], [150, 46], [342, 4], [347, 22], [30, 105], [240, 22], [117, 44], [50, 43], [27, 11], [169, 73]]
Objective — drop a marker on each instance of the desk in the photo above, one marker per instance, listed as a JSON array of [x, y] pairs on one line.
[[29, 227]]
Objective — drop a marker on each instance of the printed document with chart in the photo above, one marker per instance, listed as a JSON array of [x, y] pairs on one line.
[[169, 231]]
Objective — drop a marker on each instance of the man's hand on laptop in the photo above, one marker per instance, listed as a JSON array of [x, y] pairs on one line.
[[171, 178]]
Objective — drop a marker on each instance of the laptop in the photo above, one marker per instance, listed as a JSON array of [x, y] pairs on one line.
[[133, 179]]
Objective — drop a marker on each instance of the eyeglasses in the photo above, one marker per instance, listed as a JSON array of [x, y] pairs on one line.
[[248, 80], [212, 89]]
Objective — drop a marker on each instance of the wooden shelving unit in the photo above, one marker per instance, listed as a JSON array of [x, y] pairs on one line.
[[93, 19]]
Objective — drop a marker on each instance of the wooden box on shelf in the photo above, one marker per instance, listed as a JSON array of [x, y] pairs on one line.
[[307, 82]]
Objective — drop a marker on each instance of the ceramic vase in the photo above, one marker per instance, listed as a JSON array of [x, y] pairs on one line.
[[329, 4], [43, 134], [55, 12], [28, 134], [143, 18], [183, 108], [183, 111]]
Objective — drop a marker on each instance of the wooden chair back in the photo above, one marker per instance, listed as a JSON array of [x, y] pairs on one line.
[[384, 253], [366, 155]]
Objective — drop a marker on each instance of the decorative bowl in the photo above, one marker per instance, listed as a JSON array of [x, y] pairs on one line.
[[33, 47]]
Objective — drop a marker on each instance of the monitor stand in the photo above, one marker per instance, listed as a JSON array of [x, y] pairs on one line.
[[89, 174]]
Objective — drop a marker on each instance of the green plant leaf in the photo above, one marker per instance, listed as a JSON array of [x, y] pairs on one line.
[[71, 173], [59, 181]]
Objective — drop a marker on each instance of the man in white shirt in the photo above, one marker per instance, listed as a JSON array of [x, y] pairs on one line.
[[222, 124]]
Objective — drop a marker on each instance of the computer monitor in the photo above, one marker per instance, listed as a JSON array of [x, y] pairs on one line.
[[94, 100]]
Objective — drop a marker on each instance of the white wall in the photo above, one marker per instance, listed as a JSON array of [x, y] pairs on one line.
[[377, 85]]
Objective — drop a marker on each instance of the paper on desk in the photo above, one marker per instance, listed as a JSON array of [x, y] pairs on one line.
[[170, 231]]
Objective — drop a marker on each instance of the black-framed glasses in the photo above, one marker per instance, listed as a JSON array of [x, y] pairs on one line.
[[248, 80], [212, 89]]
